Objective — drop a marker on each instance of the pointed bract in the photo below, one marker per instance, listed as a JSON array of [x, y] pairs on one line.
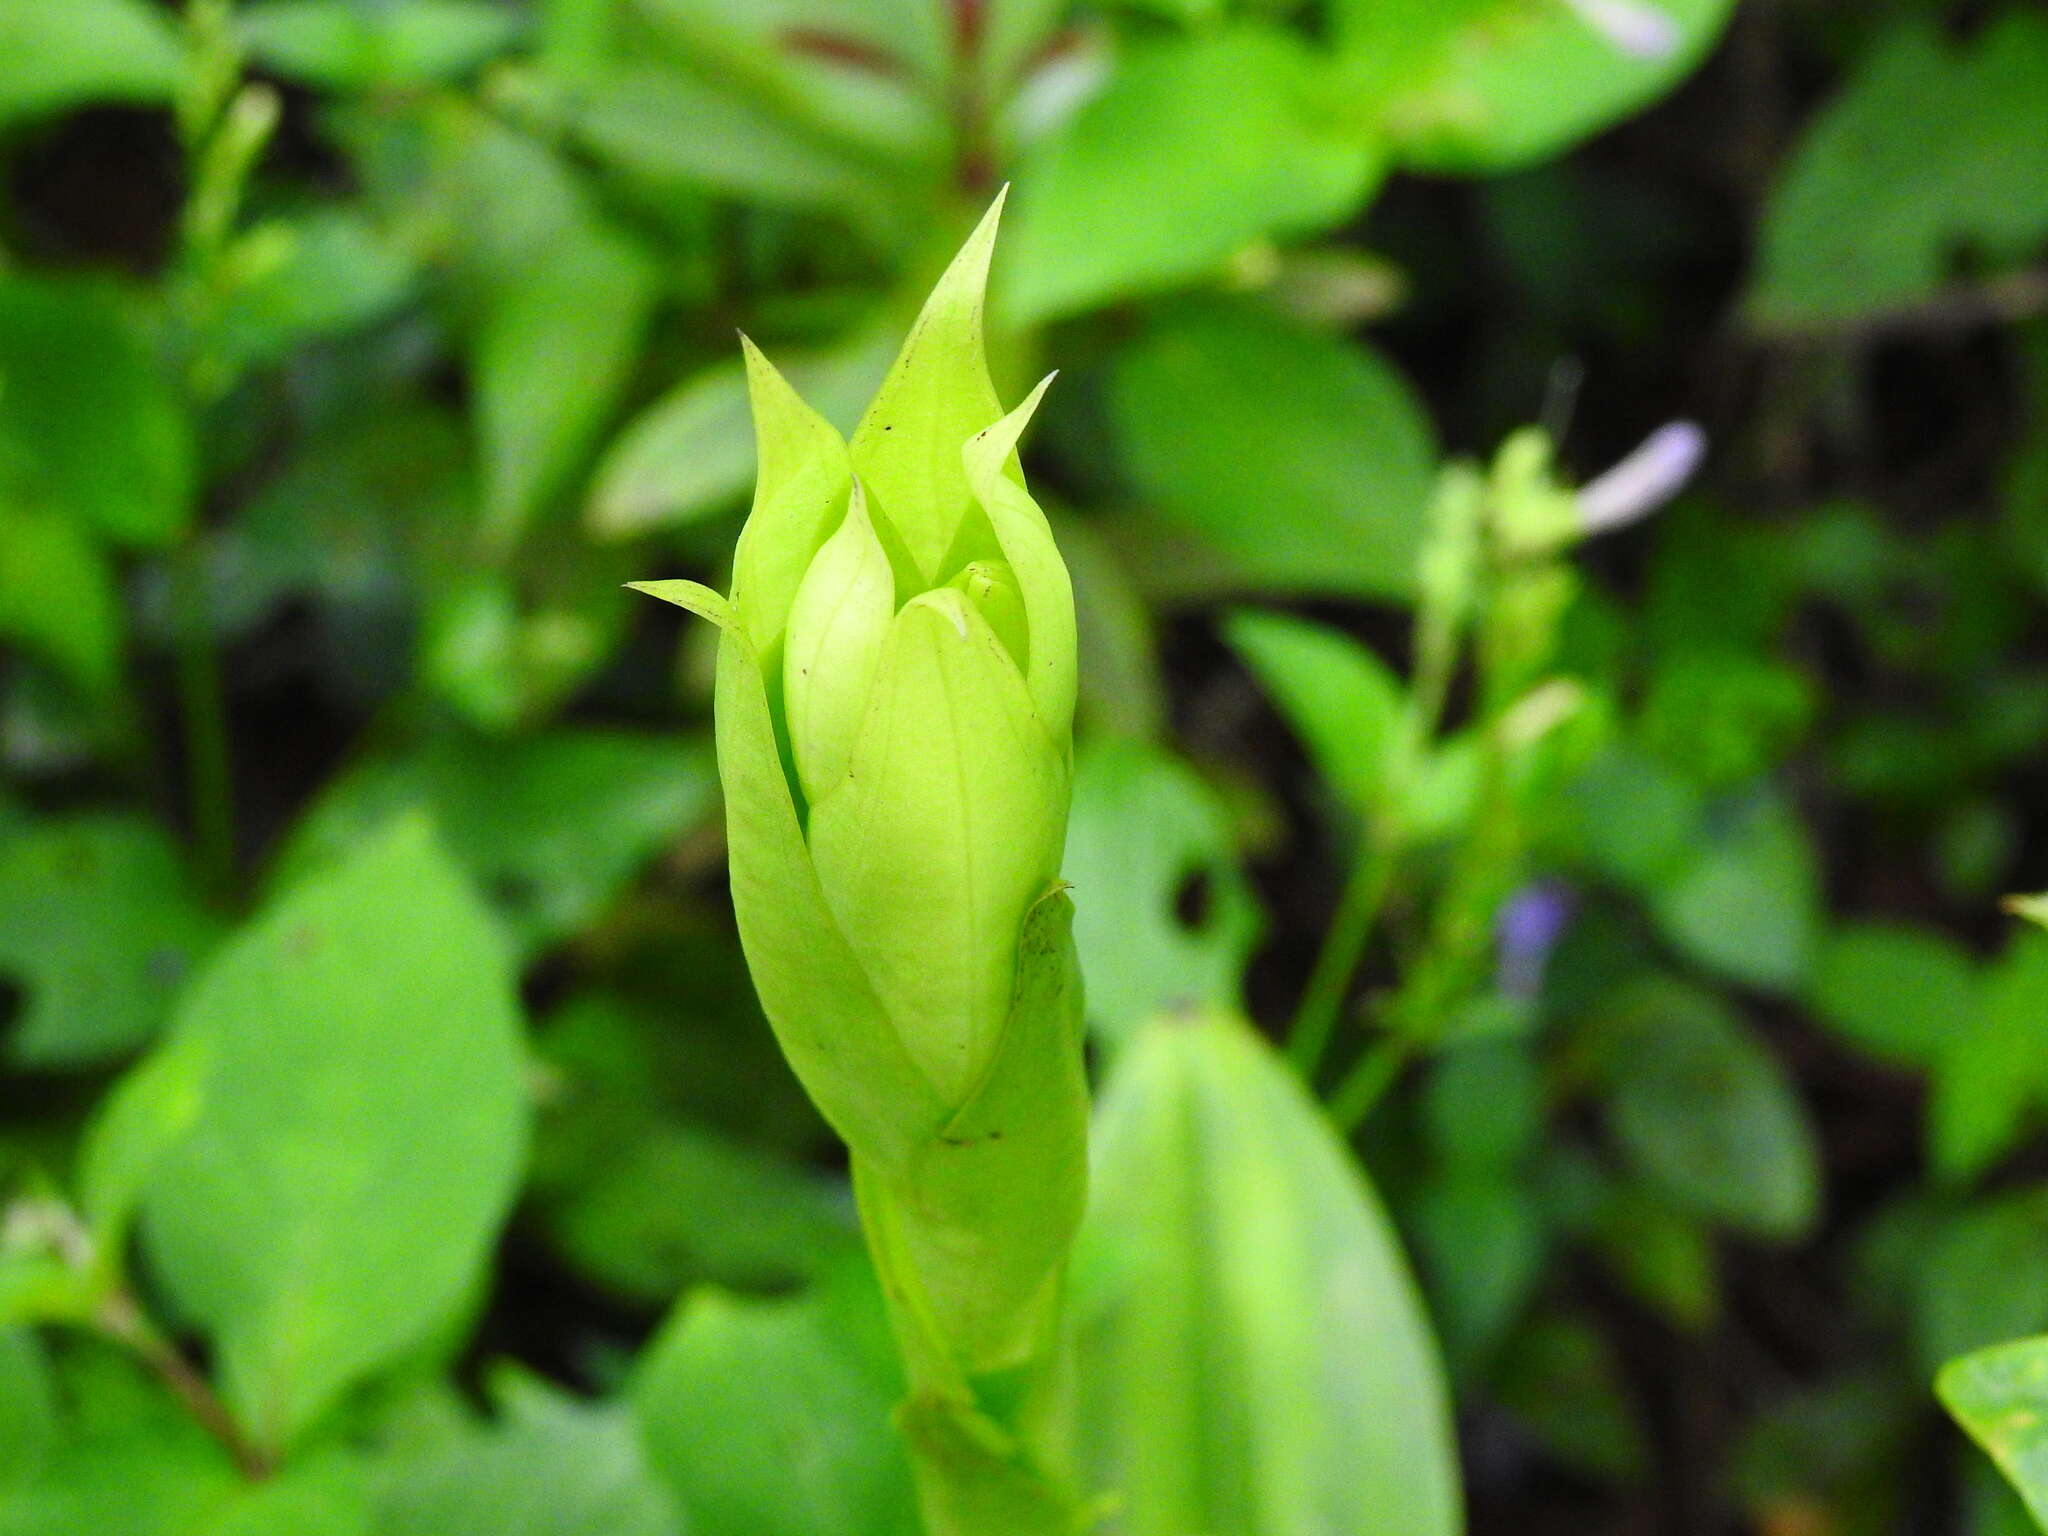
[[798, 500], [837, 628]]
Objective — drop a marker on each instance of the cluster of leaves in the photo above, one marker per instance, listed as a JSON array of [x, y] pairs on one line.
[[390, 1142]]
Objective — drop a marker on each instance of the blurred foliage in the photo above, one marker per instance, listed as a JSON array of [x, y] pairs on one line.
[[389, 1140]]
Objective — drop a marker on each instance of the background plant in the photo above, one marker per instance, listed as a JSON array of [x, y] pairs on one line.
[[390, 1139]]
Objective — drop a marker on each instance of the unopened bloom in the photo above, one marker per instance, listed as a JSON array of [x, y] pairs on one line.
[[895, 706]]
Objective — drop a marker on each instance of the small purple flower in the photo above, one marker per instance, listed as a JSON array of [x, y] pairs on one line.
[[1528, 928], [1645, 480], [1637, 28]]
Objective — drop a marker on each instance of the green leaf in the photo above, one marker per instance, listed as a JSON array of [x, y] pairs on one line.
[[2000, 1396], [1900, 993], [554, 1468], [1747, 906], [333, 273], [1246, 1312], [1199, 147], [1929, 150], [90, 426], [550, 827], [1560, 1379], [99, 926], [344, 45], [1701, 1108], [1342, 700], [1477, 87], [691, 453], [28, 1410], [1293, 460], [1981, 1276], [1163, 916], [1634, 820], [1480, 1240], [361, 1131], [1995, 1068], [58, 599], [65, 56], [772, 1417]]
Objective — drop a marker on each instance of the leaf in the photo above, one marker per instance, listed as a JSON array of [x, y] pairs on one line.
[[555, 1468], [1560, 1379], [1340, 698], [363, 1059], [100, 927], [772, 1417], [1748, 904], [334, 273], [1900, 993], [1995, 1068], [65, 56], [1484, 86], [343, 45], [89, 425], [2000, 1396], [1295, 461], [28, 1409], [1702, 1110], [1635, 820], [1929, 150], [58, 599], [1163, 916], [691, 453], [550, 827], [1246, 1312], [1981, 1276], [1200, 146]]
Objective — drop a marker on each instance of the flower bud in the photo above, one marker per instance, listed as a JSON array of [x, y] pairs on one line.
[[895, 706]]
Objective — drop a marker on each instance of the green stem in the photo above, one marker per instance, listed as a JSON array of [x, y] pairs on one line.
[[1362, 1088]]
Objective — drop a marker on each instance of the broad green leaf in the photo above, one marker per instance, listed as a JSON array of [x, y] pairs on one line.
[[550, 827], [83, 51], [2000, 1395], [344, 45], [1634, 820], [1995, 1068], [58, 599], [334, 273], [1981, 1276], [1480, 1242], [1559, 1378], [691, 453], [1903, 994], [1747, 906], [321, 1496], [1703, 1110], [555, 1467], [1930, 150], [1483, 86], [772, 1417], [1246, 1313], [1292, 460], [1200, 146], [1163, 916], [553, 350], [99, 927], [28, 1410], [361, 1131], [1341, 699], [90, 426]]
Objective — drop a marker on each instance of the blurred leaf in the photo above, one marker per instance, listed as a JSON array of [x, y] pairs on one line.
[[1246, 1310], [1342, 700], [89, 424], [1484, 86], [772, 1418], [554, 1468], [361, 1131], [1560, 1380], [1808, 1445], [326, 1496], [332, 272], [507, 654], [1929, 148], [549, 827], [1665, 1256], [1633, 819], [1995, 1067], [1900, 993], [28, 1410], [1981, 1277], [82, 51], [348, 45], [100, 927], [1480, 1240], [1699, 1106], [1747, 906], [1483, 1106], [691, 453], [1200, 146], [1297, 461], [1163, 916], [2000, 1395], [58, 599]]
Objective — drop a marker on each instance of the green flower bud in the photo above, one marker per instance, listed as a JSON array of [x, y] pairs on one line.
[[895, 707]]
